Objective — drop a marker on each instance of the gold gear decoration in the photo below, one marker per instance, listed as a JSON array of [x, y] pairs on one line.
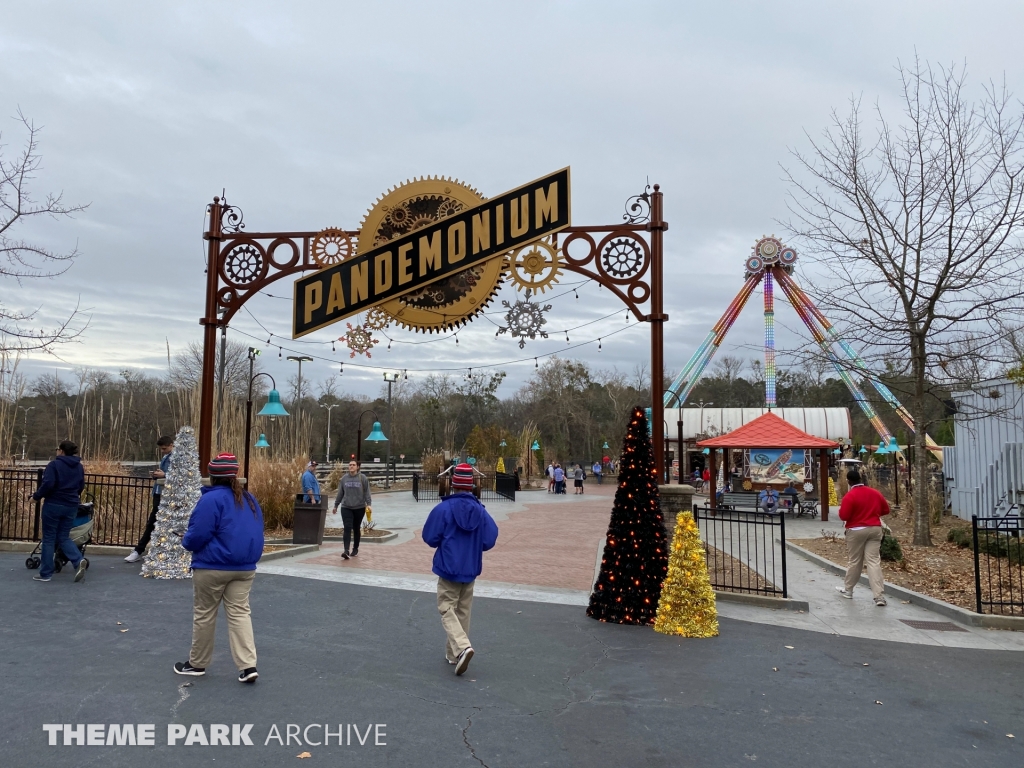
[[535, 266], [447, 303], [376, 319], [331, 246]]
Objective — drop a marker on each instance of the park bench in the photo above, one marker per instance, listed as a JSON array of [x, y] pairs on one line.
[[738, 500], [746, 501]]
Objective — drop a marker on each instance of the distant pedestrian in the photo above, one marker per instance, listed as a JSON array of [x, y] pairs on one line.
[[698, 481], [460, 530], [310, 485], [862, 510], [598, 472], [550, 472], [706, 477], [768, 501], [559, 479], [353, 499], [166, 446], [61, 491], [578, 476], [225, 537]]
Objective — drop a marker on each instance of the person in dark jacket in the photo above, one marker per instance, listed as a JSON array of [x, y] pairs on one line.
[[166, 447], [225, 537], [61, 490], [461, 530]]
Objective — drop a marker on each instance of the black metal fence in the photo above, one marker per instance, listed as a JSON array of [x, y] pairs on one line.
[[741, 550], [998, 565], [497, 487], [121, 506]]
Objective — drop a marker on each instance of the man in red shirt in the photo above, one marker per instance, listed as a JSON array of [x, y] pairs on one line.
[[862, 510]]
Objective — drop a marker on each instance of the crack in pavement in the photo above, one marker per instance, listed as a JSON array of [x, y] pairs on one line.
[[182, 695], [465, 739], [568, 678]]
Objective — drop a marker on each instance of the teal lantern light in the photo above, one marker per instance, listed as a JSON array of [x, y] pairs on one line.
[[262, 442], [706, 451], [893, 445], [882, 448], [376, 436], [863, 450], [503, 444], [273, 407], [606, 446]]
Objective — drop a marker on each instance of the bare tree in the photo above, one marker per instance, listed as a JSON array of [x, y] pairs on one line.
[[21, 259], [919, 228], [729, 367], [187, 368]]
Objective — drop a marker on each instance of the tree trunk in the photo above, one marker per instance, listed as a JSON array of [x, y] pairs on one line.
[[922, 515]]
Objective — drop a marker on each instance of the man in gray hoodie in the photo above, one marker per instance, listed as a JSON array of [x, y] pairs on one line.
[[353, 499]]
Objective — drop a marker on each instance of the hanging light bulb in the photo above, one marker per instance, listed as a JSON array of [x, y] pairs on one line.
[[341, 370], [456, 339], [268, 340], [598, 343], [332, 347], [535, 363], [406, 374], [471, 373], [566, 337], [577, 294], [389, 344], [278, 353]]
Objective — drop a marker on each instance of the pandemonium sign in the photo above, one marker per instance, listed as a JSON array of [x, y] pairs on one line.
[[432, 252]]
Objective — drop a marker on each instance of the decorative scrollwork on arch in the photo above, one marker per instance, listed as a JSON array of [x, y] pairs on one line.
[[638, 208], [231, 219]]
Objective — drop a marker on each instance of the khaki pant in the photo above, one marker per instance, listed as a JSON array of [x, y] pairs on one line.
[[862, 549], [454, 603], [211, 588]]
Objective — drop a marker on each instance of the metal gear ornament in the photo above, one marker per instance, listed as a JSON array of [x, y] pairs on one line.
[[445, 304], [331, 246], [359, 340], [244, 264], [622, 257], [376, 319], [535, 267], [524, 320]]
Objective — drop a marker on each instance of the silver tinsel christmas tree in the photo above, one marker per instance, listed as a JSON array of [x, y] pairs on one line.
[[166, 558]]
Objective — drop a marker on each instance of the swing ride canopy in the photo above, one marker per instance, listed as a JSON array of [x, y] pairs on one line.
[[767, 431]]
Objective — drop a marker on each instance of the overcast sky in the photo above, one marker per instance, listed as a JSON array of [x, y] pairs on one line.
[[305, 112]]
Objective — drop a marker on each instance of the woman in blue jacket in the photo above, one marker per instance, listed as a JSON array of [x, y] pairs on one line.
[[63, 483], [225, 537]]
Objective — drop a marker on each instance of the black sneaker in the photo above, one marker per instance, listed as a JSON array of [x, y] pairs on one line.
[[344, 555], [184, 668], [248, 675], [463, 662], [355, 552]]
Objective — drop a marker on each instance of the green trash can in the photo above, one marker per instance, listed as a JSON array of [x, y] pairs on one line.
[[308, 521]]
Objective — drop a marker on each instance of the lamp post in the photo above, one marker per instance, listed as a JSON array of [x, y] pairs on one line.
[[679, 435], [375, 436], [329, 408], [390, 378], [24, 432], [300, 359], [529, 456], [273, 408]]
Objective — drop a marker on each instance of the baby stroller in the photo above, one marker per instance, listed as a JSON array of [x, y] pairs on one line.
[[81, 534]]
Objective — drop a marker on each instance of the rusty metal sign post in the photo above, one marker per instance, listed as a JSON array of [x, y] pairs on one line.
[[420, 241]]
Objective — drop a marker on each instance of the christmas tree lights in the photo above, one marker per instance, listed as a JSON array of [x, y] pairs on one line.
[[687, 604], [634, 562], [165, 557]]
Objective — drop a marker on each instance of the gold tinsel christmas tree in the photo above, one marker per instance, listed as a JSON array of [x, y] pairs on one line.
[[833, 497], [166, 558], [687, 604], [501, 465]]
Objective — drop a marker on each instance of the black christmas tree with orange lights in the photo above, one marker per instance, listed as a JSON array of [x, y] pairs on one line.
[[635, 559]]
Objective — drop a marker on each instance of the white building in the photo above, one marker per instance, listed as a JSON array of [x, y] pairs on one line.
[[984, 471]]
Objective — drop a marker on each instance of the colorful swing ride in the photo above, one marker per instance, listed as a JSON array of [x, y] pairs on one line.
[[772, 262]]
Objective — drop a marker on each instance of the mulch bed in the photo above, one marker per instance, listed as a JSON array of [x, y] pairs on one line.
[[944, 571], [731, 575]]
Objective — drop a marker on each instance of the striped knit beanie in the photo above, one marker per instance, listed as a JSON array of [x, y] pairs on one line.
[[462, 477], [225, 465]]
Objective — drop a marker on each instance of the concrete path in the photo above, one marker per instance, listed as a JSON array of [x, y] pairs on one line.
[[549, 548]]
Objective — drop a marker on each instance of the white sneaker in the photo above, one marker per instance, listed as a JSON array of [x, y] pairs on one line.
[[463, 661], [843, 593], [133, 557]]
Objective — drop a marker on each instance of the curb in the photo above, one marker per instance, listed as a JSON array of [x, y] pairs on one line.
[[935, 605], [336, 539], [763, 601], [301, 549], [91, 549]]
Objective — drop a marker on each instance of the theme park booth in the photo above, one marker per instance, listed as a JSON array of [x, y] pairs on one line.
[[685, 426], [775, 453]]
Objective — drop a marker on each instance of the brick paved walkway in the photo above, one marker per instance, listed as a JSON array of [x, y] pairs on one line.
[[553, 542]]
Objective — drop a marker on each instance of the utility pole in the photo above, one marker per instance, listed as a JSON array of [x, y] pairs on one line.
[[390, 378], [329, 408], [300, 359], [24, 432]]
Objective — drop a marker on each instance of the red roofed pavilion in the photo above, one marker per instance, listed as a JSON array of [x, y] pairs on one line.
[[769, 431]]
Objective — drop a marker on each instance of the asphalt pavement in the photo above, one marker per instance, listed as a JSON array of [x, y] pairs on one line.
[[548, 687]]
